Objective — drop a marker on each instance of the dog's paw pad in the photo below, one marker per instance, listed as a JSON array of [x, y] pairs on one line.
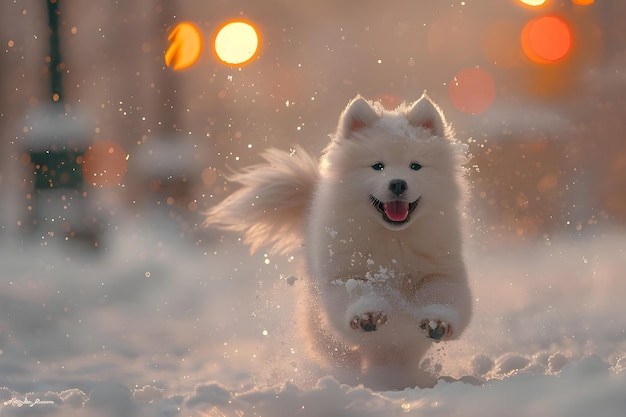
[[368, 322], [436, 329]]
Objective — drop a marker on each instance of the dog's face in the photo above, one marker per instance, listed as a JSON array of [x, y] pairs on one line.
[[394, 190], [393, 166]]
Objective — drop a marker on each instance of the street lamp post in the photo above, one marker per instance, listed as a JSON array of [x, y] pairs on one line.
[[56, 145]]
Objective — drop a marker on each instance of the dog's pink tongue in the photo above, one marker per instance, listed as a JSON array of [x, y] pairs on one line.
[[396, 211]]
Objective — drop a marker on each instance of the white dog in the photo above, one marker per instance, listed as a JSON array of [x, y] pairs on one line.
[[379, 219]]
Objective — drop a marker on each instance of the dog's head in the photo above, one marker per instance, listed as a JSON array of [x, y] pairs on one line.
[[401, 163]]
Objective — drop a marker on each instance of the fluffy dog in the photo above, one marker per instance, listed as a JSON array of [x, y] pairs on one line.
[[379, 220]]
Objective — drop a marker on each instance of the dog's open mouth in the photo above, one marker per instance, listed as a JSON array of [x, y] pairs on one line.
[[395, 212]]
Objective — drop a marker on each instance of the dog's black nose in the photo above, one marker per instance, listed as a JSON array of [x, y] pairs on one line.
[[397, 186]]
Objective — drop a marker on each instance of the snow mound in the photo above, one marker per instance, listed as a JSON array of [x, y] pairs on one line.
[[154, 326], [583, 388]]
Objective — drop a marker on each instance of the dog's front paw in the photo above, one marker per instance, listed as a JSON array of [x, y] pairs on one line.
[[436, 329], [368, 322]]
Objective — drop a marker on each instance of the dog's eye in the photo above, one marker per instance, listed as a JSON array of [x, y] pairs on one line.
[[415, 166], [378, 166]]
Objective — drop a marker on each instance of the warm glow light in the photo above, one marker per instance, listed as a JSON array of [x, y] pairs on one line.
[[533, 3], [546, 39], [236, 43], [105, 164], [582, 2], [185, 46], [472, 90]]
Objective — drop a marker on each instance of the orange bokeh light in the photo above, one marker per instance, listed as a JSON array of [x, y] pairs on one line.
[[185, 46], [236, 43], [105, 164], [546, 39], [472, 90]]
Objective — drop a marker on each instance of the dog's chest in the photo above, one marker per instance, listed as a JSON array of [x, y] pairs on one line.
[[377, 257]]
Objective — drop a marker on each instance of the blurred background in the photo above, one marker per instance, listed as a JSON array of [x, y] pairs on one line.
[[115, 113]]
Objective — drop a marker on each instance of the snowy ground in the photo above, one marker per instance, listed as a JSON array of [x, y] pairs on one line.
[[155, 327]]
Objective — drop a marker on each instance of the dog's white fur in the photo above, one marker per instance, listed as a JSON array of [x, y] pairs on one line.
[[402, 279]]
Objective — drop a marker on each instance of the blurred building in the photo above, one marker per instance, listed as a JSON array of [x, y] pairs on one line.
[[548, 149]]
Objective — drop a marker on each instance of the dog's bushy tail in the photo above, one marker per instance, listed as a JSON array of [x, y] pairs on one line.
[[272, 206]]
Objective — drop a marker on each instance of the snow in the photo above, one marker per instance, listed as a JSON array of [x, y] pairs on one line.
[[51, 123], [157, 326]]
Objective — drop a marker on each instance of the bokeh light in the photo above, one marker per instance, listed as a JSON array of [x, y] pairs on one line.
[[185, 46], [472, 90], [546, 39], [533, 3], [236, 43], [583, 2], [105, 164]]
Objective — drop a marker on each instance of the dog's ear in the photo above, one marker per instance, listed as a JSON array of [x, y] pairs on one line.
[[425, 113], [357, 115]]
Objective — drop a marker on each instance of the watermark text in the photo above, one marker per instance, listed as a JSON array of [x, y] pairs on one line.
[[17, 402]]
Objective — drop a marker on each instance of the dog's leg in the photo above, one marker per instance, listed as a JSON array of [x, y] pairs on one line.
[[369, 321], [442, 307], [368, 310], [436, 329]]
